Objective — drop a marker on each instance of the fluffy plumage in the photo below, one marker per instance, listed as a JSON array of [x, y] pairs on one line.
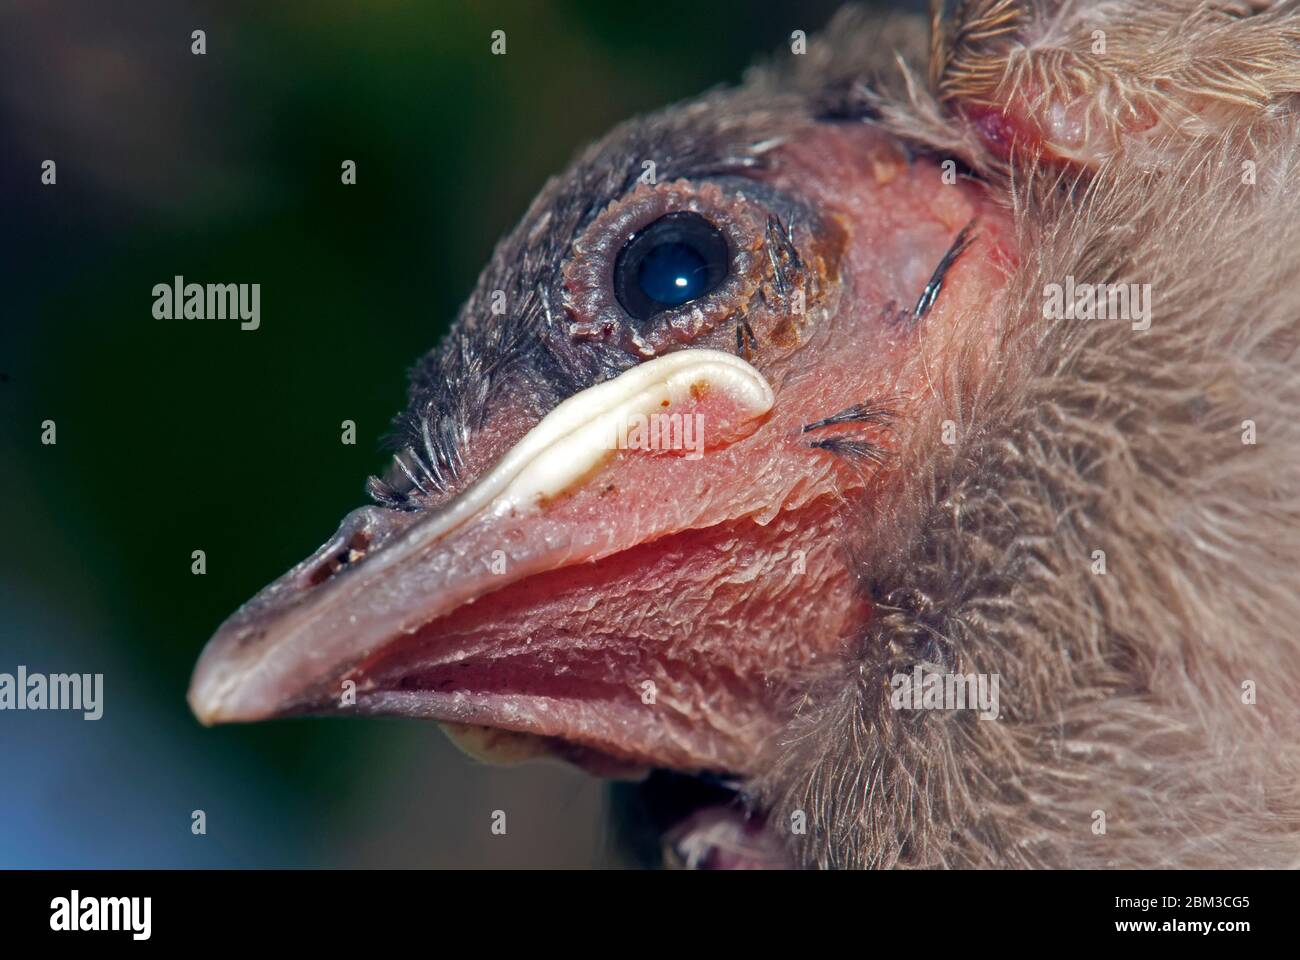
[[1122, 692]]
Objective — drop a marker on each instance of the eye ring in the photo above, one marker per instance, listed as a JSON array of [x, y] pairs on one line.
[[679, 258], [587, 283]]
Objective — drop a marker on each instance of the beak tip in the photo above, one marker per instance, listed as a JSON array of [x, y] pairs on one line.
[[203, 704], [229, 690], [211, 710], [215, 696]]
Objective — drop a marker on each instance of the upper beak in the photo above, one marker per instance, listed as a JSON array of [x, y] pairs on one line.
[[338, 629]]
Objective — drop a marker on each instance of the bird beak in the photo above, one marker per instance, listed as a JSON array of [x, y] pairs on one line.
[[472, 612]]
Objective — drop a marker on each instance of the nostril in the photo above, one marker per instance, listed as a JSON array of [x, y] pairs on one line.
[[350, 553]]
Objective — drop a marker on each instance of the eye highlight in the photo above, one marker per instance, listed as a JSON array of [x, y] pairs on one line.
[[678, 258]]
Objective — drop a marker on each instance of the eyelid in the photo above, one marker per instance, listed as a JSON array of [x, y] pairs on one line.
[[785, 207]]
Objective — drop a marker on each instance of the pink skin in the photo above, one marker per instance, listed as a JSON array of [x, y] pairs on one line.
[[721, 580]]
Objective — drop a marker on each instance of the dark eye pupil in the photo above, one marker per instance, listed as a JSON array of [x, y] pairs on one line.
[[673, 273], [678, 258]]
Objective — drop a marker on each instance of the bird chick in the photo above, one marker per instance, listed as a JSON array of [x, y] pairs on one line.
[[782, 409]]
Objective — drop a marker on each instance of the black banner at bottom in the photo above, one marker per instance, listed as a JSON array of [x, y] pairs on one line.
[[370, 908]]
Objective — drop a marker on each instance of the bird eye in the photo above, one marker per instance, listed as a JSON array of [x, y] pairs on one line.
[[674, 263], [678, 258]]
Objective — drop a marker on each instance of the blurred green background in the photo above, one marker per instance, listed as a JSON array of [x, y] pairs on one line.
[[184, 434]]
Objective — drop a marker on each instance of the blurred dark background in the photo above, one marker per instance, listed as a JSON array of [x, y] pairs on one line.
[[176, 435]]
